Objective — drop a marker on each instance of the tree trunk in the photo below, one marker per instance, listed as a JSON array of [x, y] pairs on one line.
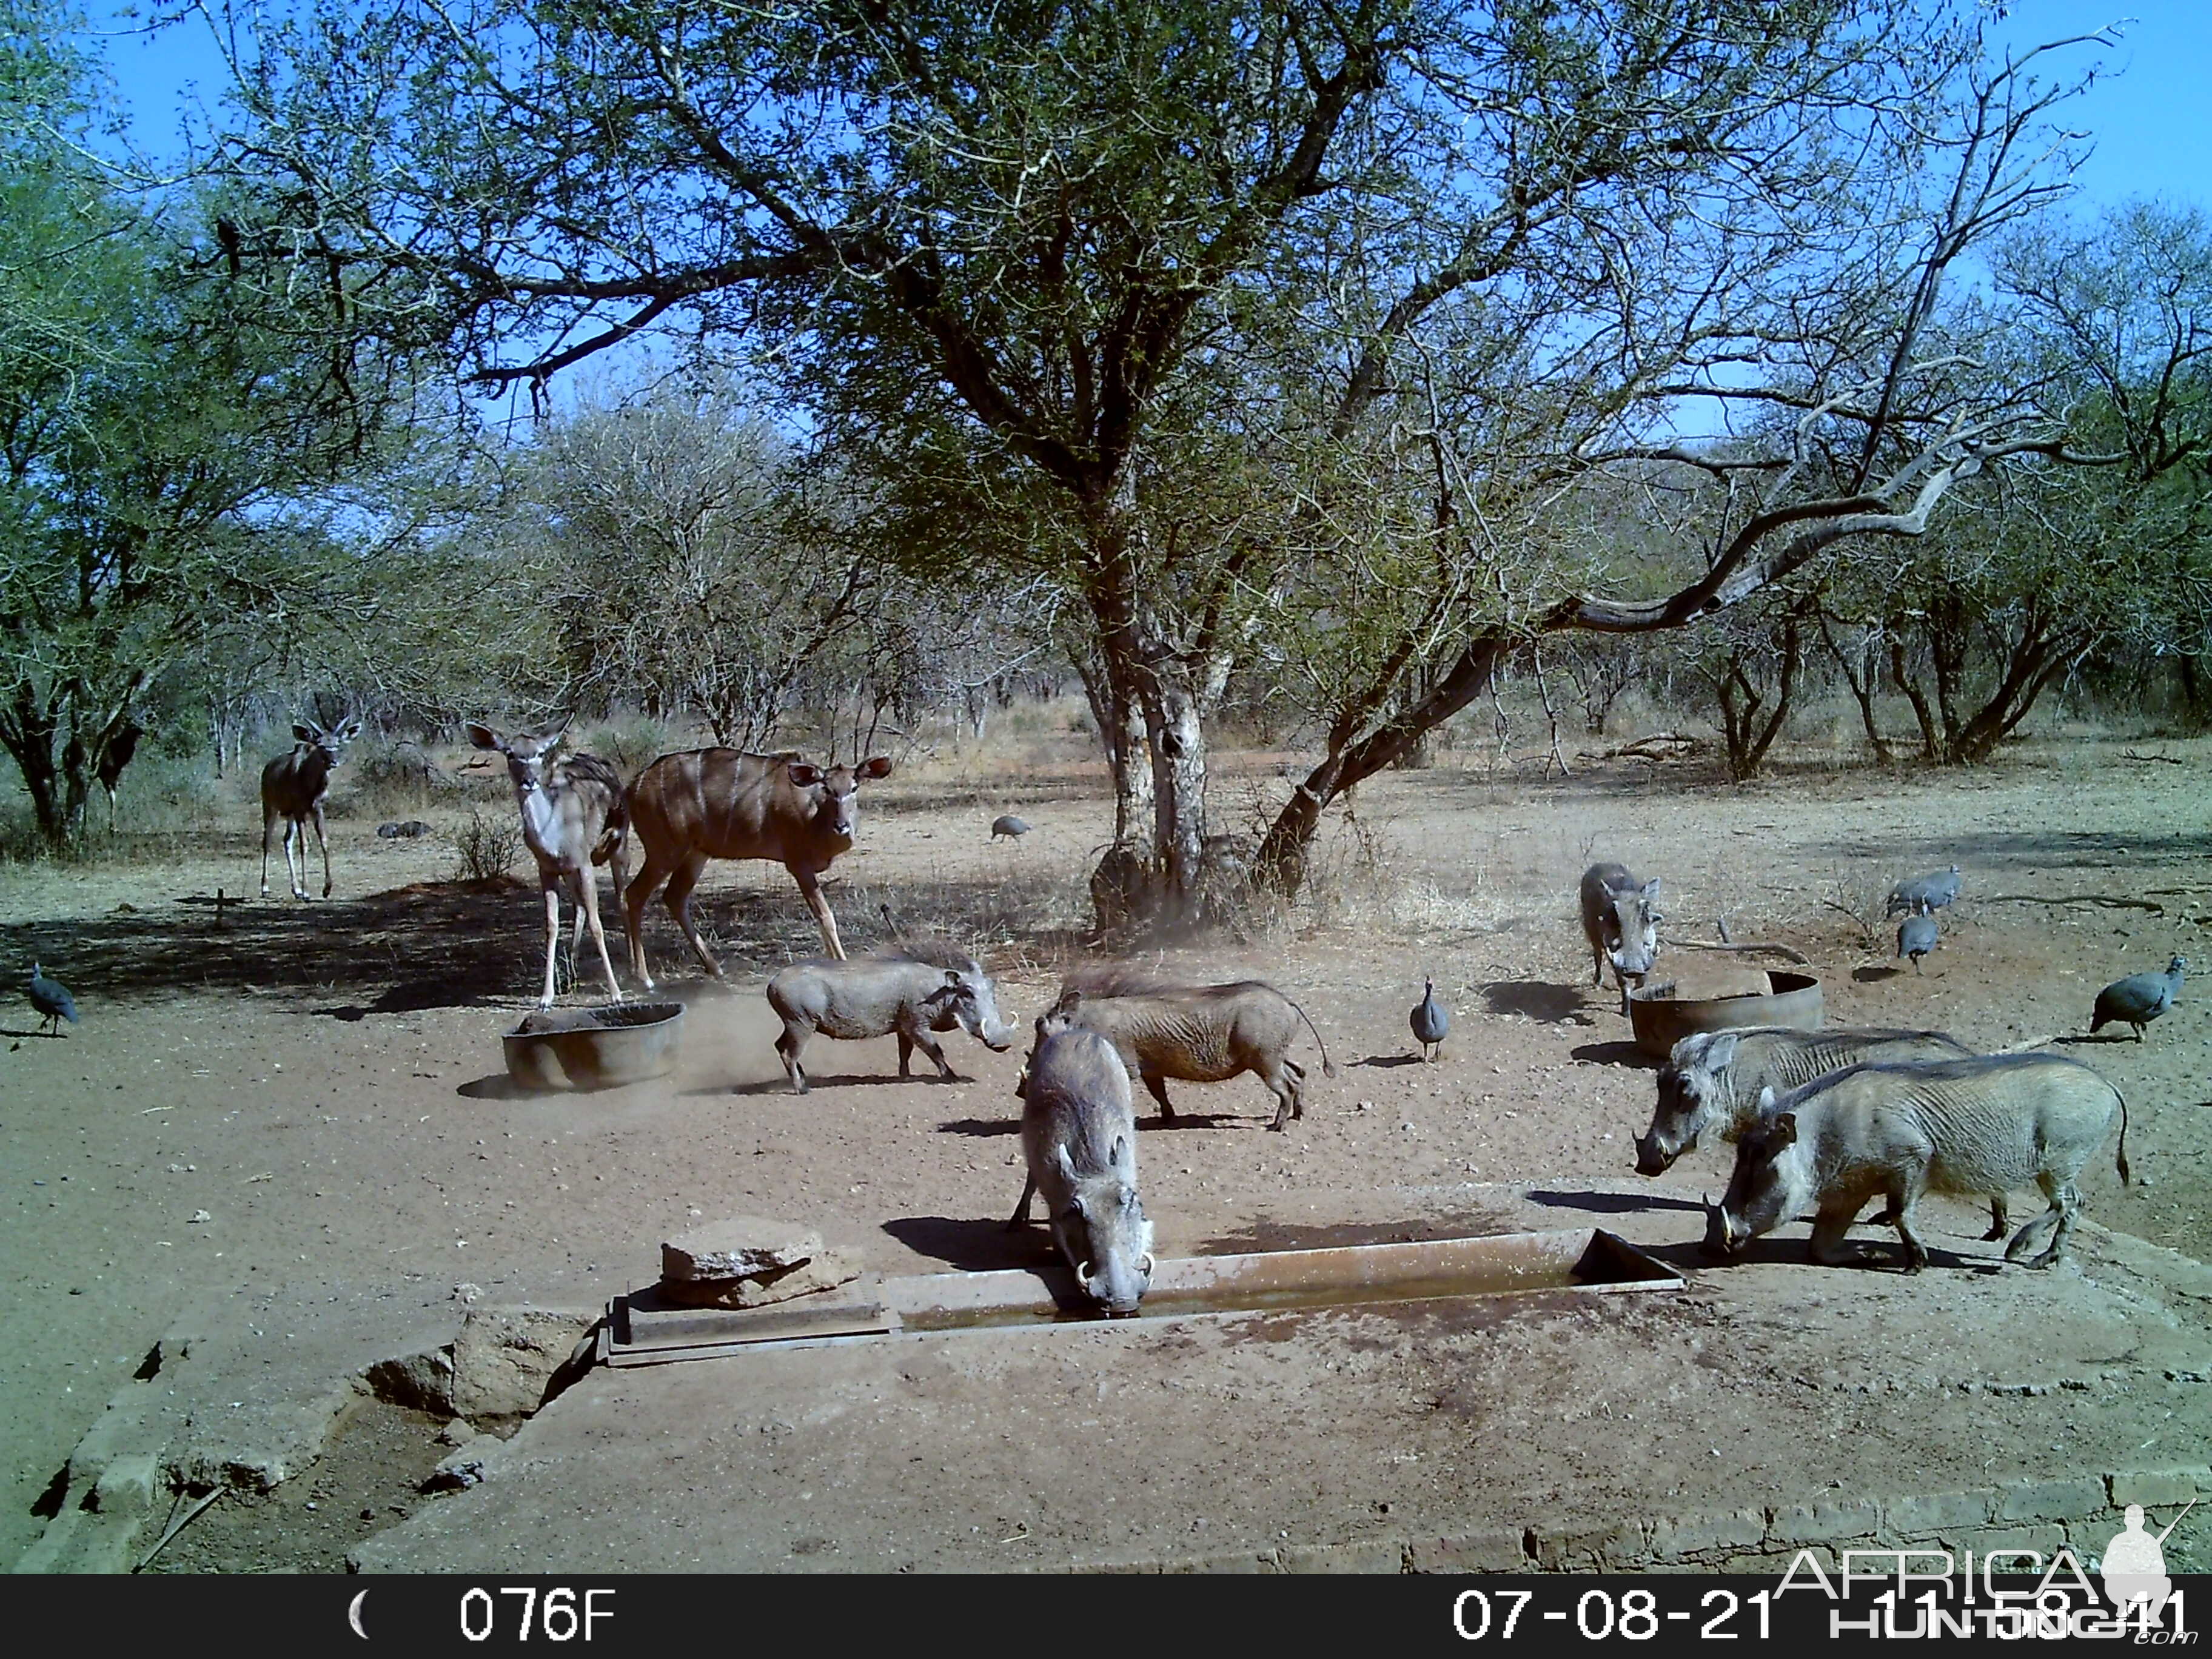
[[1178, 747], [1932, 742], [1864, 677]]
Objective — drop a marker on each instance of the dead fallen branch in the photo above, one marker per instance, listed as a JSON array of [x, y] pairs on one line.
[[2168, 759], [2076, 898], [2031, 1042], [1645, 748]]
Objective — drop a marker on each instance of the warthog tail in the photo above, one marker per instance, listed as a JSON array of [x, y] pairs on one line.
[[1327, 1066], [2125, 1177]]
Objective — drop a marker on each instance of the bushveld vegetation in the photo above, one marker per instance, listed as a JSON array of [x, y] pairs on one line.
[[1318, 373]]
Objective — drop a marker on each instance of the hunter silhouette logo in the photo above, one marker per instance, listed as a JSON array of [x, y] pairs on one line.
[[2134, 1564]]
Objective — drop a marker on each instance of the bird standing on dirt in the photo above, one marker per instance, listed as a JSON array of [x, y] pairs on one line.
[[1925, 894], [1008, 825], [2139, 999], [1429, 1021], [52, 1000], [1916, 937]]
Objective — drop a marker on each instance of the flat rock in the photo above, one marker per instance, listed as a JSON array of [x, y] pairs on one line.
[[826, 1271], [743, 1247]]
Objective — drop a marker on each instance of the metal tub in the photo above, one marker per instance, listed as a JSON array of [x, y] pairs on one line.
[[594, 1047]]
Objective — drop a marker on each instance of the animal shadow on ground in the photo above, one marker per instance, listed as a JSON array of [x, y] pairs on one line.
[[10, 1031], [1389, 1059], [1614, 1203], [1617, 1054], [980, 1126], [1532, 999], [1874, 976], [781, 1085], [1267, 1233], [972, 1246]]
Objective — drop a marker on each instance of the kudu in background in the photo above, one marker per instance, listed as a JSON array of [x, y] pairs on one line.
[[722, 803], [292, 788], [573, 817]]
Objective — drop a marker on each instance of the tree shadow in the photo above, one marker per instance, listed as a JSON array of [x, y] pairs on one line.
[[980, 1126], [1536, 999], [1630, 1055], [973, 1246]]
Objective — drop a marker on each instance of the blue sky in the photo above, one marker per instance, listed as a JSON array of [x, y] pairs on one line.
[[2151, 117]]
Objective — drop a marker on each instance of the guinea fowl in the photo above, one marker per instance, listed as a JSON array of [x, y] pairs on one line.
[[1429, 1021], [1008, 825], [1916, 937], [52, 1000], [2139, 999]]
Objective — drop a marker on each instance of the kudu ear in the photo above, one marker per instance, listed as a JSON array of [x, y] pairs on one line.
[[484, 738], [1069, 1001], [1651, 888], [805, 776], [878, 766], [348, 730], [306, 731]]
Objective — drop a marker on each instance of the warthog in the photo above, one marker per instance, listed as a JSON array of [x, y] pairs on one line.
[[1713, 1079], [913, 991], [1079, 1136], [1961, 1127], [1197, 1033], [1621, 923]]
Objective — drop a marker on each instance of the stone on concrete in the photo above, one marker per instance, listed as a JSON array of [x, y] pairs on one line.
[[1824, 1521], [743, 1247], [2044, 1541], [1671, 1540], [825, 1271], [422, 1381], [1600, 1550], [127, 1485], [2052, 1500], [1496, 1551], [1908, 1517], [1371, 1555], [2160, 1487]]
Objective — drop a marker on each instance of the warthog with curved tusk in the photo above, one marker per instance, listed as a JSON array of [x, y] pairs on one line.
[[1962, 1127], [1080, 1134], [913, 991]]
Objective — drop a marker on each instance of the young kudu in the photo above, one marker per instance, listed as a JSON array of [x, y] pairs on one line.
[[292, 788], [722, 803], [573, 817]]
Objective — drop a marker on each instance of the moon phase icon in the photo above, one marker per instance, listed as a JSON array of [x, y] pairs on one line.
[[353, 1615]]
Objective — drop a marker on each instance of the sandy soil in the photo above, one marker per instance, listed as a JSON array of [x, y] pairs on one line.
[[312, 1095]]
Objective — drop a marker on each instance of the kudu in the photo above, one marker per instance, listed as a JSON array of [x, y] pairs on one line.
[[573, 817], [292, 788], [114, 755], [723, 804]]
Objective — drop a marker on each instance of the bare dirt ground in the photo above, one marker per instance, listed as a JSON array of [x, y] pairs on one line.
[[308, 1100]]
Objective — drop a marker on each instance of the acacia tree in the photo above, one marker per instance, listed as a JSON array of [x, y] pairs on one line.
[[1020, 247]]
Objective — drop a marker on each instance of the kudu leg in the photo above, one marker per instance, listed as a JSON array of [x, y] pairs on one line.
[[588, 892], [639, 894], [679, 904], [550, 880], [268, 822], [809, 889], [322, 841], [296, 873]]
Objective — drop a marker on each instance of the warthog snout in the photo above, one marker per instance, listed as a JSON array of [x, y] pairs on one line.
[[1118, 1291], [1654, 1157]]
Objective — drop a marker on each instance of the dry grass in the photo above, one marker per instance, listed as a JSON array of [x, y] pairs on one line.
[[488, 845]]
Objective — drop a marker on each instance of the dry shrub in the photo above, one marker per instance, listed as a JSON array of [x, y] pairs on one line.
[[1860, 892], [489, 846]]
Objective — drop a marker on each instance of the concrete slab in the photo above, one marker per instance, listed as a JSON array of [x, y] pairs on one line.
[[1576, 1424]]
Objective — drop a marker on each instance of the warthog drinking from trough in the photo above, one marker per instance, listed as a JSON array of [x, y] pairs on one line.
[[1079, 1136], [913, 991], [1196, 1033], [1961, 1127], [1713, 1079], [1621, 923]]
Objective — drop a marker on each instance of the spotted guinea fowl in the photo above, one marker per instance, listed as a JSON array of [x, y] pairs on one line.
[[1924, 893], [1916, 937], [2139, 999], [52, 1000], [1008, 825], [1429, 1020]]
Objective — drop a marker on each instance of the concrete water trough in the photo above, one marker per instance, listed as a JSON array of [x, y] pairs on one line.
[[640, 1331], [1661, 1019], [565, 1049]]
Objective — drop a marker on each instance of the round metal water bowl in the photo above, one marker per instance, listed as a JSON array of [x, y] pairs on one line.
[[594, 1047], [1660, 1020]]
